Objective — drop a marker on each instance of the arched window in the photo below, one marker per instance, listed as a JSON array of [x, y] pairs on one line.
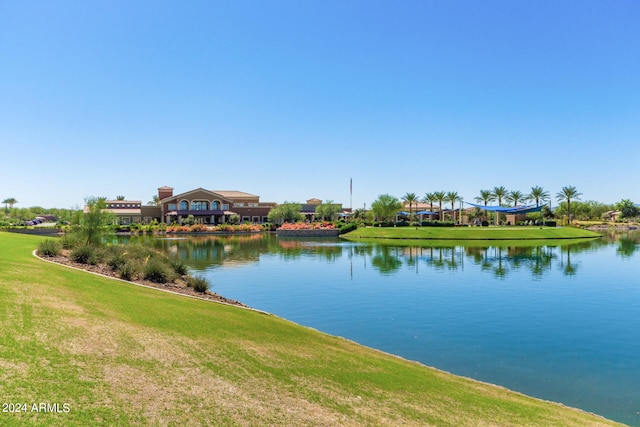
[[199, 205], [214, 205], [184, 206]]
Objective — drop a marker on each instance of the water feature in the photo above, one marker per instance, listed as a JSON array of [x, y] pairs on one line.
[[555, 320]]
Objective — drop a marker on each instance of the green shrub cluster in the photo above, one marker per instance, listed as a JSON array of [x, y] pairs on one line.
[[198, 283], [129, 261], [49, 248], [158, 272], [348, 227], [84, 254]]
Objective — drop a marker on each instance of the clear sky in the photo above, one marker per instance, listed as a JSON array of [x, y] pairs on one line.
[[290, 99]]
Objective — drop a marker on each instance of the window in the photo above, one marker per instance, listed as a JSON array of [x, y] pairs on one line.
[[125, 220], [225, 207], [253, 205], [238, 205], [256, 219], [199, 205], [245, 219], [172, 206], [184, 206], [214, 206]]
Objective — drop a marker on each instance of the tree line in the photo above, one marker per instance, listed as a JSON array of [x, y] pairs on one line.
[[570, 208]]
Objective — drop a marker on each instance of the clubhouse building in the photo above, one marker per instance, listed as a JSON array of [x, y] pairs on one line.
[[206, 206]]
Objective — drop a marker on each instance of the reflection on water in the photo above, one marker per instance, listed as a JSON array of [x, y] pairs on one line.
[[557, 320], [499, 260]]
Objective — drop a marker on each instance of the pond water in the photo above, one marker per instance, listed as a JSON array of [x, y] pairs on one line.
[[555, 320]]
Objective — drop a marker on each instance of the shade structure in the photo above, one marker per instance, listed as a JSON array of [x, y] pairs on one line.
[[509, 210], [426, 213]]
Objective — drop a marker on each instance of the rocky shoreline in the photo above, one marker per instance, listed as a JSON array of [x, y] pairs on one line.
[[613, 227]]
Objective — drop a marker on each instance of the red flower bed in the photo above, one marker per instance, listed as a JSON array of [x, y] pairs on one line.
[[306, 226]]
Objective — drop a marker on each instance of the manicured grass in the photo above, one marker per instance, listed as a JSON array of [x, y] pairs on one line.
[[471, 233], [119, 354]]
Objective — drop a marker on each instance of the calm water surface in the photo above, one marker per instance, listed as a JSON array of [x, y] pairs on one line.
[[557, 321]]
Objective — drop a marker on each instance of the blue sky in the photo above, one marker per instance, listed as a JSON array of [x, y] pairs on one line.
[[291, 99]]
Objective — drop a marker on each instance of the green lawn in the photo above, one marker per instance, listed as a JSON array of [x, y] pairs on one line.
[[471, 233], [119, 354]]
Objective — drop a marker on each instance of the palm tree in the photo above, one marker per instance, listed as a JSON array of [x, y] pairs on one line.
[[453, 197], [485, 197], [567, 194], [120, 197], [9, 202], [440, 196], [537, 195], [155, 201], [498, 194], [410, 198], [515, 197], [429, 198]]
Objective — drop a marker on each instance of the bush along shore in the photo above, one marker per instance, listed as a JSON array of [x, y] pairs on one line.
[[130, 262]]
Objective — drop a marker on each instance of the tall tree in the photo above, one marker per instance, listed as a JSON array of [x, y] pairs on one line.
[[10, 202], [95, 220], [627, 209], [155, 201], [499, 193], [440, 196], [410, 198], [429, 198], [453, 197], [120, 197], [485, 197], [515, 197], [386, 206], [327, 210], [568, 194], [286, 212], [538, 195]]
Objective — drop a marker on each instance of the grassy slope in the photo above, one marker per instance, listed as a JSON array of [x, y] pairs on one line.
[[472, 233], [124, 355]]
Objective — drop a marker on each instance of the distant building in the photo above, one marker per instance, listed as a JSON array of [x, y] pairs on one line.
[[127, 212], [211, 207], [206, 206]]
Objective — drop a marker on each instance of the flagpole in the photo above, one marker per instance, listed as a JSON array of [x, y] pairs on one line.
[[351, 194]]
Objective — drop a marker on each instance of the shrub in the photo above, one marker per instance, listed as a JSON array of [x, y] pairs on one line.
[[127, 271], [348, 228], [83, 254], [198, 283], [179, 266], [116, 259], [225, 227], [485, 223], [69, 241], [49, 248], [157, 272]]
